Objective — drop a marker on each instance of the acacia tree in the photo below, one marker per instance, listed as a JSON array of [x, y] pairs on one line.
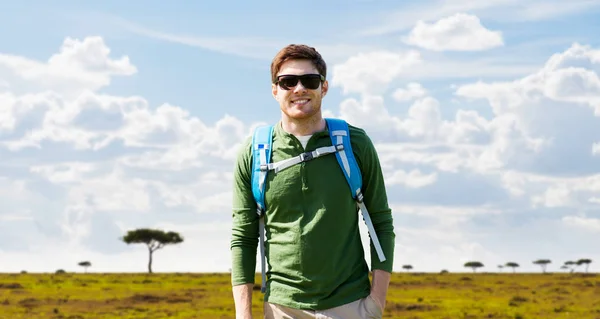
[[407, 267], [512, 265], [570, 265], [154, 238], [585, 262], [473, 264], [542, 263], [85, 265]]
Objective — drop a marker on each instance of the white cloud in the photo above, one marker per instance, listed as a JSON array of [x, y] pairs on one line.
[[438, 67], [570, 76], [64, 172], [574, 85], [252, 47], [94, 122], [577, 56], [7, 119], [103, 161], [209, 194], [413, 90], [423, 121], [80, 65], [371, 72], [369, 113], [583, 223], [514, 183], [549, 191], [474, 142], [414, 178], [80, 167], [451, 159], [540, 10], [557, 93], [13, 188], [498, 10], [459, 32], [596, 148], [515, 150], [553, 197]]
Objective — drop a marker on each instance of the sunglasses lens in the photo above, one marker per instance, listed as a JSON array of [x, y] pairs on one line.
[[309, 81], [287, 82]]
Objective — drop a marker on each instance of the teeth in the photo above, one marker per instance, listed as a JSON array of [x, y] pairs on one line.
[[300, 101]]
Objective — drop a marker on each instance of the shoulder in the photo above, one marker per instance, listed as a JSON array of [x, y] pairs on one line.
[[245, 147], [243, 161], [363, 148], [360, 140]]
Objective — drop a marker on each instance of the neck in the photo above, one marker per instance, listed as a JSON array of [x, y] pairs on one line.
[[307, 126]]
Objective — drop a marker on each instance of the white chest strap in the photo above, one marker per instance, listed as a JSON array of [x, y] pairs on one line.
[[304, 157]]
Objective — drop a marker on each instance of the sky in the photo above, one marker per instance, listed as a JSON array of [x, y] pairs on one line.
[[120, 115]]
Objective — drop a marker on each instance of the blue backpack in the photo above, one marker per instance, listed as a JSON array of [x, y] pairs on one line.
[[341, 147]]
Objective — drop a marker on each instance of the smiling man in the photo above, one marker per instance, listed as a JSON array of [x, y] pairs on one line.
[[307, 213]]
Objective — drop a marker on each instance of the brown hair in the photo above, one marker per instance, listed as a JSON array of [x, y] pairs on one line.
[[297, 52]]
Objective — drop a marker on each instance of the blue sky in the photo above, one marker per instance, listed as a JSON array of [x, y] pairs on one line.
[[120, 115]]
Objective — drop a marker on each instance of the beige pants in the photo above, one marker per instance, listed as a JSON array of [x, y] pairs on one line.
[[365, 308]]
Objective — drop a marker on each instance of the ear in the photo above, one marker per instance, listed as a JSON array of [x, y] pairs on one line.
[[324, 88]]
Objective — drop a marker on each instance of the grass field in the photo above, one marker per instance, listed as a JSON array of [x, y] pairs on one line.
[[179, 296]]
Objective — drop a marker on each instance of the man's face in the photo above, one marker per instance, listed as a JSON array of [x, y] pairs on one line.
[[299, 102]]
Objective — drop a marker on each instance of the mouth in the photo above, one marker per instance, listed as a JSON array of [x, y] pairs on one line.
[[300, 102]]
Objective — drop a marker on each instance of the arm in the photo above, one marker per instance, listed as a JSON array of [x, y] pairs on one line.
[[244, 235], [242, 295], [381, 215], [376, 201], [381, 281]]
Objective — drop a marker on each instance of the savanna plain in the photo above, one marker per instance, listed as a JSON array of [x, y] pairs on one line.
[[194, 295]]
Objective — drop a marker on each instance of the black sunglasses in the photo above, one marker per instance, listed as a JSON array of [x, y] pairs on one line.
[[309, 81]]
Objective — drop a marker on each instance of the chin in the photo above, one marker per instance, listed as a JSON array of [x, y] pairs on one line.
[[300, 115]]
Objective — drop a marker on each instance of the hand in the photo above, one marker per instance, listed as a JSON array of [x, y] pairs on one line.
[[380, 301]]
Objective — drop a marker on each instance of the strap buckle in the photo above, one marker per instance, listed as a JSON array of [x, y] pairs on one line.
[[359, 196], [307, 156]]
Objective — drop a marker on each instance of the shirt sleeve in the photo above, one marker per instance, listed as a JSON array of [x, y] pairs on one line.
[[244, 231], [376, 201]]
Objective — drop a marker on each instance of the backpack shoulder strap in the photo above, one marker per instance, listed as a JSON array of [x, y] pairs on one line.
[[261, 156], [340, 135]]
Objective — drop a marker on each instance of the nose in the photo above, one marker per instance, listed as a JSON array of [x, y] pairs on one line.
[[299, 87]]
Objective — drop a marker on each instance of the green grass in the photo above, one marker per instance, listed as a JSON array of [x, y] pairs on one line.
[[179, 296]]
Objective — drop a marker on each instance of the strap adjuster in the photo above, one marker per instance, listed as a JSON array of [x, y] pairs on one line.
[[307, 156], [359, 196]]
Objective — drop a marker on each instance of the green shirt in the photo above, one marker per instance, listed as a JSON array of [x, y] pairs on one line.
[[312, 242]]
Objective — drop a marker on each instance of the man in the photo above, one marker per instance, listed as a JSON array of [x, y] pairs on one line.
[[316, 262]]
